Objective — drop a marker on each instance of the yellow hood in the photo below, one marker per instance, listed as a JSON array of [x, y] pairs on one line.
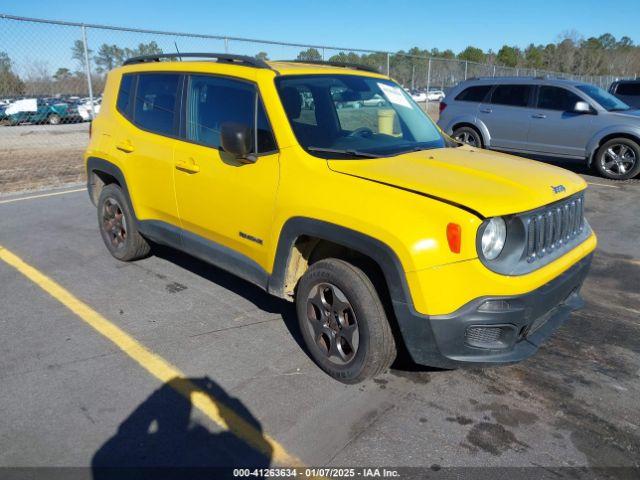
[[484, 181]]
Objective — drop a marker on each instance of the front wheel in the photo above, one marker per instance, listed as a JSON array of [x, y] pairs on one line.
[[343, 321], [54, 119], [618, 159]]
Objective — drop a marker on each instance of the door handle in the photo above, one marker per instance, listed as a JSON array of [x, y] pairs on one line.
[[125, 146], [539, 115], [189, 166], [486, 110]]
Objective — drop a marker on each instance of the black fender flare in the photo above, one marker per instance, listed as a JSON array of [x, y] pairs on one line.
[[102, 165], [378, 251]]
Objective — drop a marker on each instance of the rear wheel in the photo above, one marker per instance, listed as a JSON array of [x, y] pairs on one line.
[[118, 227], [468, 135], [343, 321], [618, 159], [54, 119]]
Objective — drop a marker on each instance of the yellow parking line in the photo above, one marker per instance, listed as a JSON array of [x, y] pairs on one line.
[[156, 365], [31, 197]]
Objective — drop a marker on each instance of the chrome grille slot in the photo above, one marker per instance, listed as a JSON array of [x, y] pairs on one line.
[[551, 227], [548, 237]]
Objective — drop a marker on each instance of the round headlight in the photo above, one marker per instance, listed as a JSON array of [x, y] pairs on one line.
[[493, 238]]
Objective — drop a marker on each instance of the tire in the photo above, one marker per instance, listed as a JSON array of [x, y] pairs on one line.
[[469, 136], [618, 159], [343, 321], [118, 226], [54, 119]]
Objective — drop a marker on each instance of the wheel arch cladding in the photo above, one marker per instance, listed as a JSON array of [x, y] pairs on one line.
[[379, 252], [478, 126], [100, 172], [604, 136]]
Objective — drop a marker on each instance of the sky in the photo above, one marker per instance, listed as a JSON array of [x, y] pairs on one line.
[[372, 24]]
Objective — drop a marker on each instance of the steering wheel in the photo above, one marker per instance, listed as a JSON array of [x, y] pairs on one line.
[[361, 132]]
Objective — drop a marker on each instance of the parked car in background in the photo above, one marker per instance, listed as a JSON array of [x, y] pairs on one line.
[[37, 110], [435, 95], [628, 91], [84, 109], [375, 101], [547, 117], [419, 96]]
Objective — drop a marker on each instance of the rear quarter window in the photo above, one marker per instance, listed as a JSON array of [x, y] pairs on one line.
[[125, 95], [474, 94]]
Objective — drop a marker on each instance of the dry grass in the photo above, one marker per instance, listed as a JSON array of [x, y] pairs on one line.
[[34, 169]]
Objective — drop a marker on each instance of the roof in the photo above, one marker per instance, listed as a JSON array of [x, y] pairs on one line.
[[528, 79], [288, 67]]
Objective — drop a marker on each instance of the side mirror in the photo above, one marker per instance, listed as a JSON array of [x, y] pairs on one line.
[[237, 140], [582, 107]]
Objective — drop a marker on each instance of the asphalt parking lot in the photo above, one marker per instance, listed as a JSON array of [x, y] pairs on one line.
[[168, 361]]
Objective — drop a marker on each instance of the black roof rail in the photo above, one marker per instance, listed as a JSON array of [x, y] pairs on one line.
[[220, 58], [355, 66]]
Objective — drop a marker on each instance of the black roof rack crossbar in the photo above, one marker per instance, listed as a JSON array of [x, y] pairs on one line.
[[355, 66], [220, 58]]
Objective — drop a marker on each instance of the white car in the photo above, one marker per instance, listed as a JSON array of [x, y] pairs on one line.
[[419, 97], [84, 109], [435, 95], [375, 101]]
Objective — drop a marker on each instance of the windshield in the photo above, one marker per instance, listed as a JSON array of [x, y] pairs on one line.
[[605, 99], [355, 116]]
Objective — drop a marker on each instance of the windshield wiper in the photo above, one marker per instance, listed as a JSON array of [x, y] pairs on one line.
[[353, 153]]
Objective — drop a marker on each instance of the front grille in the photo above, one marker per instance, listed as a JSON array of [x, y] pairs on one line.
[[553, 226]]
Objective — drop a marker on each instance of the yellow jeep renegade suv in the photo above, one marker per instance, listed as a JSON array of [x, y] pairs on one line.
[[328, 186]]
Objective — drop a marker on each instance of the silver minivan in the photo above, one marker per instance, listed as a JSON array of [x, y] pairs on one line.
[[546, 117]]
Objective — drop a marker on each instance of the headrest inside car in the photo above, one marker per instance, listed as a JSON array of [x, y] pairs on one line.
[[292, 101]]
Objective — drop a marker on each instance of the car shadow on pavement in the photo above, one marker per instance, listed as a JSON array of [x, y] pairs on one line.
[[228, 281], [271, 304], [161, 439]]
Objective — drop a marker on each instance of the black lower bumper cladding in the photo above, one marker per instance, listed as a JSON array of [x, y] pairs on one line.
[[493, 330]]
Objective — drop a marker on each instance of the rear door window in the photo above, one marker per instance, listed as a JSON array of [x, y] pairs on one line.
[[474, 94], [556, 98], [511, 95], [155, 103]]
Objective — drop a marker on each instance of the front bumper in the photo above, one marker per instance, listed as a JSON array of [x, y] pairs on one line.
[[508, 329]]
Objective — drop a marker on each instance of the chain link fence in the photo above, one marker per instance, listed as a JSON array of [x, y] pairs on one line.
[[52, 75]]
